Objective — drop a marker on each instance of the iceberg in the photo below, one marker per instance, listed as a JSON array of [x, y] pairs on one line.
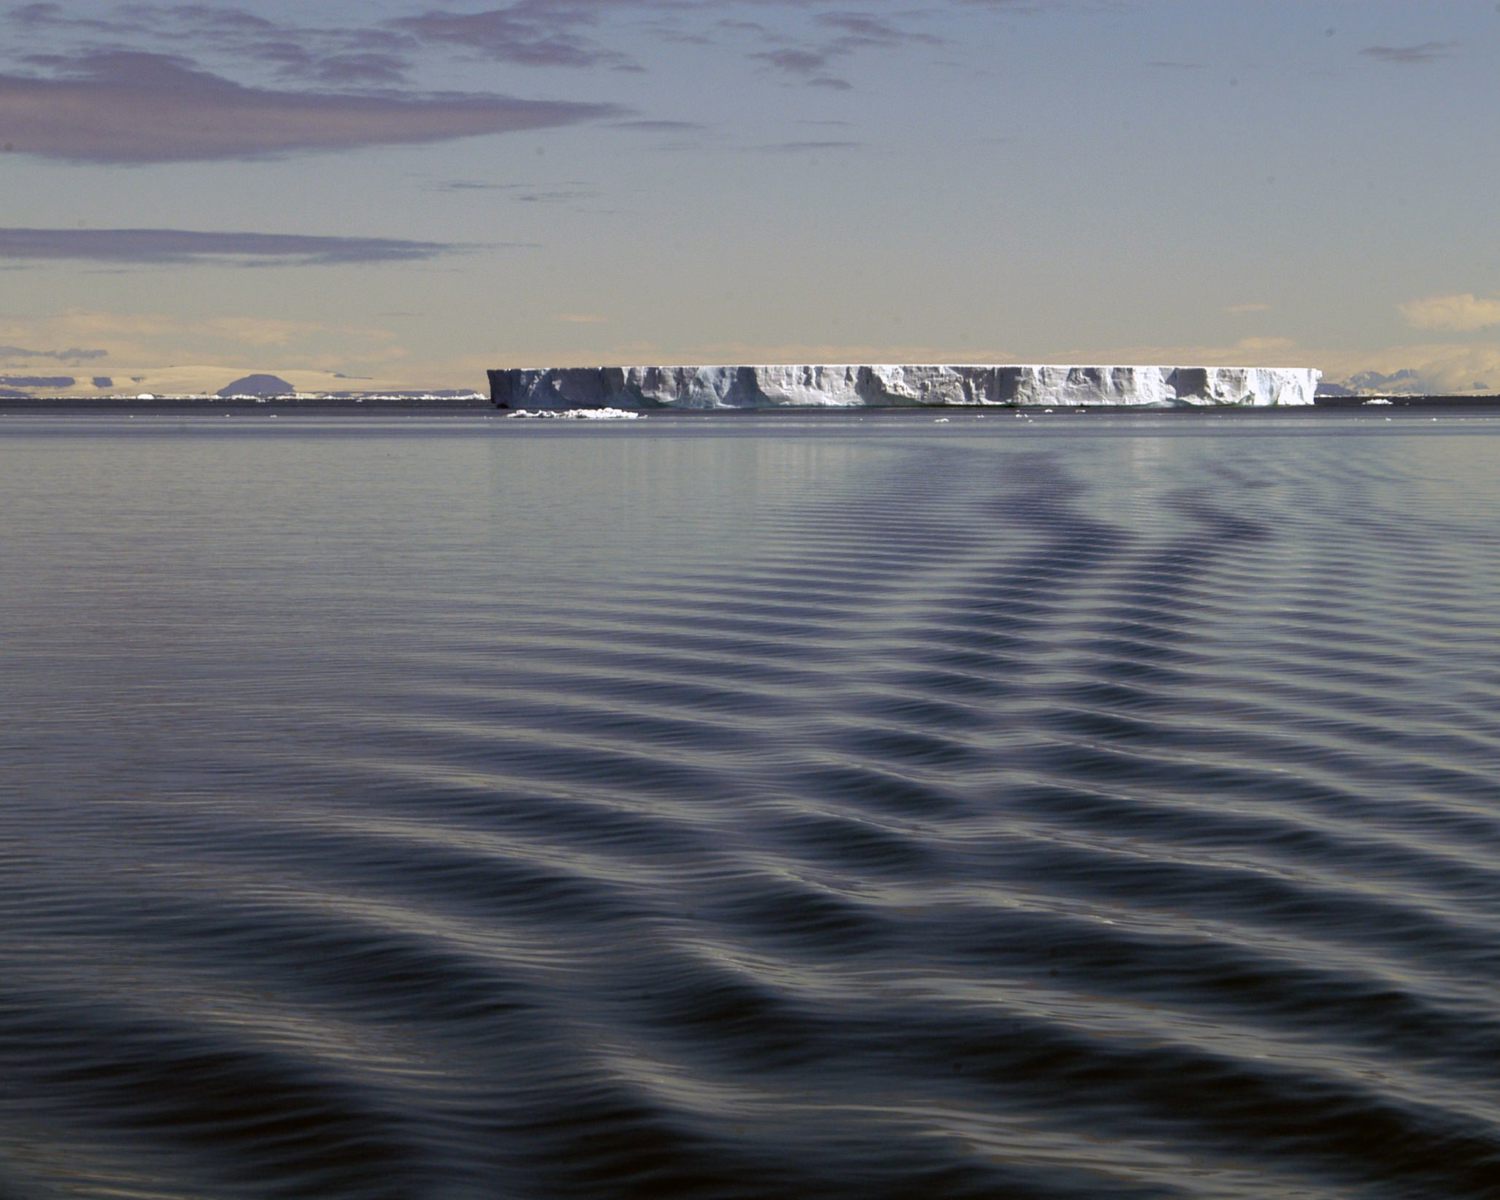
[[903, 386]]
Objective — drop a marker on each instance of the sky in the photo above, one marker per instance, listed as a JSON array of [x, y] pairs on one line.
[[372, 194]]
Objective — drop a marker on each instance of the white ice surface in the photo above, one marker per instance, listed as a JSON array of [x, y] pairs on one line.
[[852, 386]]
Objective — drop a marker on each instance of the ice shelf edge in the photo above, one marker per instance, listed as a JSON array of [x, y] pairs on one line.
[[907, 385]]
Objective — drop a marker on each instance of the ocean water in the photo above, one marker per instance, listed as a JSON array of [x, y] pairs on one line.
[[1075, 806]]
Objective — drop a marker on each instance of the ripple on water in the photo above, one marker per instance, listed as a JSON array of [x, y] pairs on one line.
[[1100, 811]]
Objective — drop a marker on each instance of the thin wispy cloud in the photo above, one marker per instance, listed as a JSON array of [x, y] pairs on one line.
[[72, 354], [525, 33], [177, 247], [805, 65], [472, 185], [1009, 6], [1425, 52], [556, 196], [841, 34], [526, 193], [35, 17], [794, 61], [134, 107], [363, 69], [341, 56], [1462, 312], [865, 29], [809, 147], [657, 126]]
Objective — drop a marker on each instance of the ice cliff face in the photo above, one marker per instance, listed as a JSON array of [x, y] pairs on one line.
[[898, 386]]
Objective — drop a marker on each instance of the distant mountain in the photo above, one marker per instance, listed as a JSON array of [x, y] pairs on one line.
[[257, 385], [1405, 381]]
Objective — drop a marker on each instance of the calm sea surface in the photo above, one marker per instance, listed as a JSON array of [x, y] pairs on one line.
[[1075, 806]]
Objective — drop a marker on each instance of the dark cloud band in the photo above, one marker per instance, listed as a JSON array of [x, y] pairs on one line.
[[132, 107], [179, 246]]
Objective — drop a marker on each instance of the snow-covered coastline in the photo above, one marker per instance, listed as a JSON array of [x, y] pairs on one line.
[[911, 385]]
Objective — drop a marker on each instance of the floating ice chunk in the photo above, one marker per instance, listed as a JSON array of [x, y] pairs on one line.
[[580, 414]]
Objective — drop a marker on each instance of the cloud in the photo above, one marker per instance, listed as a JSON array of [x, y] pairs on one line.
[[556, 196], [470, 185], [1240, 310], [1426, 52], [657, 126], [864, 29], [181, 246], [1244, 352], [1462, 311], [1026, 7], [132, 102], [794, 61], [804, 147], [560, 192], [529, 33], [363, 69], [126, 106], [71, 355], [848, 32], [343, 55], [52, 16], [808, 64], [193, 351]]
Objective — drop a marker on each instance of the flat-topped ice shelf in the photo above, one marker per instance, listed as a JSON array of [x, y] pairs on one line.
[[909, 385]]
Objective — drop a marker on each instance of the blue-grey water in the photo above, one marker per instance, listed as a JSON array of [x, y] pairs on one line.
[[1079, 807]]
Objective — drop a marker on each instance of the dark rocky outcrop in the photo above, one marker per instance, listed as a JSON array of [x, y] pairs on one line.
[[257, 385]]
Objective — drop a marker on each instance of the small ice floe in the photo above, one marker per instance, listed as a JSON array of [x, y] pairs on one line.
[[579, 414], [941, 420], [1377, 401]]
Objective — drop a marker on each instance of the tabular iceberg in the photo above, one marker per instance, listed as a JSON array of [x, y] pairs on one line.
[[899, 386]]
